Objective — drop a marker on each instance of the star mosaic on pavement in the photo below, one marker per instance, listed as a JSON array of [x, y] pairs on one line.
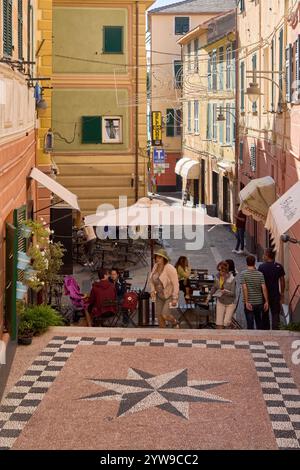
[[171, 392]]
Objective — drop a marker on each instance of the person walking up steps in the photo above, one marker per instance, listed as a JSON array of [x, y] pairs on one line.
[[241, 220], [255, 296]]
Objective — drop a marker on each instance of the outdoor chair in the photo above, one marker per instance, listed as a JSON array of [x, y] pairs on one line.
[[78, 301]]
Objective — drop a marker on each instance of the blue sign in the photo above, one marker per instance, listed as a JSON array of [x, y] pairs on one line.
[[159, 156]]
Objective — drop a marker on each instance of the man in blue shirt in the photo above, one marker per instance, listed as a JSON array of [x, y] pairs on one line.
[[275, 282]]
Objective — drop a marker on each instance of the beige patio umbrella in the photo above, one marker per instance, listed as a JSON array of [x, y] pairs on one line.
[[257, 197]]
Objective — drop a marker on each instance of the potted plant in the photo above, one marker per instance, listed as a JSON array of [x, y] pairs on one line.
[[25, 331]]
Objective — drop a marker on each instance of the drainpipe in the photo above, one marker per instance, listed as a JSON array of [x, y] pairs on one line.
[[137, 105], [237, 112]]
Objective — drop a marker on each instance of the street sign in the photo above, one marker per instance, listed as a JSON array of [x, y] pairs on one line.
[[156, 121], [159, 156]]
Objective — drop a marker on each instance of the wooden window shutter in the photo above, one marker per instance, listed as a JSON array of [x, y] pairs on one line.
[[253, 157], [113, 39], [20, 29], [241, 152], [7, 27], [242, 86], [289, 72], [297, 66], [170, 122], [91, 129]]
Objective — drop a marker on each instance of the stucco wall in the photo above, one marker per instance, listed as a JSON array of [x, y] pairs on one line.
[[78, 34], [68, 106]]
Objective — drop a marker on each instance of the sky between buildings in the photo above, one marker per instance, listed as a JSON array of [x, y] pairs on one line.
[[161, 3]]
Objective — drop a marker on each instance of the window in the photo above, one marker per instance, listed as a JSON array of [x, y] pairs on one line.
[[242, 5], [221, 68], [254, 68], [280, 68], [228, 67], [91, 130], [228, 124], [196, 117], [170, 122], [214, 70], [182, 24], [241, 156], [196, 60], [233, 55], [214, 135], [7, 27], [221, 132], [273, 75], [242, 79], [253, 157], [233, 130], [20, 29], [189, 116], [112, 129], [209, 76], [178, 121], [178, 73], [113, 40], [297, 71]]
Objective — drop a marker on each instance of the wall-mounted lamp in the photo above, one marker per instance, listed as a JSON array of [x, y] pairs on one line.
[[49, 141]]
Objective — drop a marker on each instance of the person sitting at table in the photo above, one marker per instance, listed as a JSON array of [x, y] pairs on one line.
[[120, 286], [164, 288], [224, 289], [184, 271], [103, 292]]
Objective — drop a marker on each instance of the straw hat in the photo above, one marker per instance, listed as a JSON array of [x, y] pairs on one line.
[[161, 252]]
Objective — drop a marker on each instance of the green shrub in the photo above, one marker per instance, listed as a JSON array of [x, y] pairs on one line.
[[41, 317], [291, 327], [25, 328]]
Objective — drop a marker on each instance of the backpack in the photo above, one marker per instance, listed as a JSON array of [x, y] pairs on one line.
[[130, 301]]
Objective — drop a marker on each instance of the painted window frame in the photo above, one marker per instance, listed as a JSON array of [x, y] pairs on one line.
[[196, 117], [189, 25], [119, 138]]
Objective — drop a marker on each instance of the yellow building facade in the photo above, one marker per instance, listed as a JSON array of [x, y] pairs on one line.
[[166, 25], [209, 132], [99, 100]]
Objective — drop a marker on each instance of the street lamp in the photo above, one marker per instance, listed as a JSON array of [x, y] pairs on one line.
[[253, 92], [221, 116], [286, 238]]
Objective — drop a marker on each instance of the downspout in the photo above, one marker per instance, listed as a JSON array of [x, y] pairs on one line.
[[137, 105], [28, 36], [237, 113]]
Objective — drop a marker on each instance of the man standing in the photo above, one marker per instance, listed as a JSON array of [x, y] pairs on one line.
[[255, 296], [274, 276], [240, 223]]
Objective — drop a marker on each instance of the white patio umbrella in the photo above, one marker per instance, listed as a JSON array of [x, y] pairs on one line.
[[148, 212], [152, 212]]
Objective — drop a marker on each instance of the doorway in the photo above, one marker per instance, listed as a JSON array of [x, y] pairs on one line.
[[226, 200], [215, 190]]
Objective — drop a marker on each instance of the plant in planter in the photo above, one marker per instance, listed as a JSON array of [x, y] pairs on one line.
[[41, 317], [25, 331]]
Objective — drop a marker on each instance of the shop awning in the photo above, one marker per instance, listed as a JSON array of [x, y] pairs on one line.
[[225, 165], [284, 213], [257, 197], [188, 168], [56, 188]]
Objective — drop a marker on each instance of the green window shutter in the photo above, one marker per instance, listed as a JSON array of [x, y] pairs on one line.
[[273, 75], [113, 40], [228, 124], [11, 280], [242, 86], [7, 27], [91, 129], [19, 218], [208, 131], [233, 122], [289, 72], [170, 122], [20, 29]]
